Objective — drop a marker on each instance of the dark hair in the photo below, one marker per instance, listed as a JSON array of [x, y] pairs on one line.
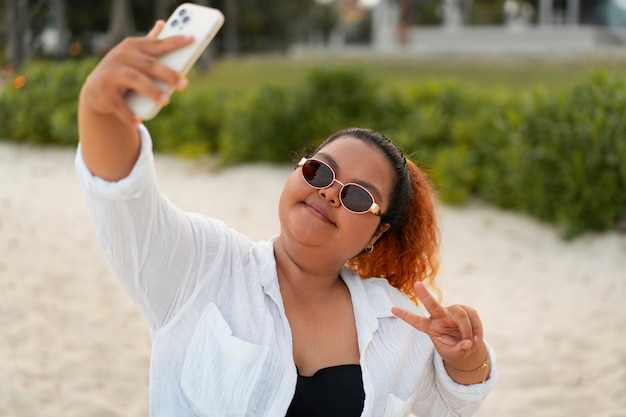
[[401, 193], [409, 250]]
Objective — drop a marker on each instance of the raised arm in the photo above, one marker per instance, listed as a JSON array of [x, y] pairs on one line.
[[107, 128]]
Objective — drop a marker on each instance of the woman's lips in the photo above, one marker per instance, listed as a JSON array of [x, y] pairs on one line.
[[318, 212]]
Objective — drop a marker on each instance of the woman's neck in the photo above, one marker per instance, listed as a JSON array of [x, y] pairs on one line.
[[307, 276]]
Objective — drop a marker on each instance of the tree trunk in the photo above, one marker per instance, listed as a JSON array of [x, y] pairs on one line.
[[122, 22], [161, 9], [18, 44], [573, 12], [231, 41], [4, 24], [59, 15]]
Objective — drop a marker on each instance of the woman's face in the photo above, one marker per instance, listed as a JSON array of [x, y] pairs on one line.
[[315, 218]]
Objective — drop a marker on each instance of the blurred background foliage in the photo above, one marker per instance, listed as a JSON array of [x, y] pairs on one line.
[[91, 27], [543, 137], [558, 154]]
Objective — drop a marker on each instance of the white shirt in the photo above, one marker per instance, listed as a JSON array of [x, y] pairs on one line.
[[221, 342]]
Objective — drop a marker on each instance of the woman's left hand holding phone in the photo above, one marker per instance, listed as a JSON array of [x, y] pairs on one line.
[[107, 128]]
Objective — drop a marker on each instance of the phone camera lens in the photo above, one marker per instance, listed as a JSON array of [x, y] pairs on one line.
[[174, 22], [183, 12], [185, 19]]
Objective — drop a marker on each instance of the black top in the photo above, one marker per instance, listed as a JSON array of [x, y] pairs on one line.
[[334, 391]]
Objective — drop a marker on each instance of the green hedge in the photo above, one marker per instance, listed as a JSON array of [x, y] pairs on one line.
[[43, 110], [273, 123], [190, 124], [559, 156], [562, 156]]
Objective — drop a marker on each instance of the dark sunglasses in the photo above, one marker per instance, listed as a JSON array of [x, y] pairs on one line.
[[354, 197]]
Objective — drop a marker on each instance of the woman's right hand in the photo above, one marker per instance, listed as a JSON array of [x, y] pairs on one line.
[[132, 65], [107, 128]]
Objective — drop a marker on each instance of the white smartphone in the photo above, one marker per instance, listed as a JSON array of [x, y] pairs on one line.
[[202, 23]]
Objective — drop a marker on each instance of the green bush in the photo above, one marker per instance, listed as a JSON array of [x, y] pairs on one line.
[[43, 110], [575, 157], [440, 131], [559, 156], [274, 122], [259, 127], [190, 124], [556, 155], [499, 148], [5, 115]]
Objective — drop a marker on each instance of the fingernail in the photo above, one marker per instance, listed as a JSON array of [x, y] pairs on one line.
[[181, 83], [163, 98], [467, 345]]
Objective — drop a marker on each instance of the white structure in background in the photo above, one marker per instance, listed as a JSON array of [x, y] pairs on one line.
[[547, 16], [386, 14], [557, 32], [517, 15], [454, 12], [616, 14], [50, 41], [385, 18]]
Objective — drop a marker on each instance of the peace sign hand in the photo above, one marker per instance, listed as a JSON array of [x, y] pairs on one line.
[[456, 331]]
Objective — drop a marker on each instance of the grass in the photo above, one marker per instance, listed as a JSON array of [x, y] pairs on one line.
[[240, 74], [249, 72]]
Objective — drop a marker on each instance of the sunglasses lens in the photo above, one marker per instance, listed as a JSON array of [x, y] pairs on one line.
[[317, 174], [356, 198]]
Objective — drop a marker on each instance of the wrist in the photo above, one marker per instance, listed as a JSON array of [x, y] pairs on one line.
[[473, 370]]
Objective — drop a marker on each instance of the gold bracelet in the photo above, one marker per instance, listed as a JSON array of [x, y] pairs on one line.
[[484, 365]]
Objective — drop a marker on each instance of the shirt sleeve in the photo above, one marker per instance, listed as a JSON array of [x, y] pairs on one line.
[[148, 241], [449, 398]]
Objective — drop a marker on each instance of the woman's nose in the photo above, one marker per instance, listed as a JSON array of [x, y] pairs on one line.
[[331, 194]]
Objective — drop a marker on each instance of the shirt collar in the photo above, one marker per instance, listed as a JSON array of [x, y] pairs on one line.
[[370, 303], [365, 293]]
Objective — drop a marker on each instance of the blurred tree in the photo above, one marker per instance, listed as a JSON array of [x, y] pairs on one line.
[[265, 25], [121, 24], [162, 9], [480, 12], [251, 25], [18, 42], [486, 12], [4, 34], [58, 13], [88, 17], [231, 35]]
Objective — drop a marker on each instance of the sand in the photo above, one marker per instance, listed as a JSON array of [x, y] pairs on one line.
[[73, 344]]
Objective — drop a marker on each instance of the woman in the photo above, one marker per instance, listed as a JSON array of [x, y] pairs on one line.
[[280, 327]]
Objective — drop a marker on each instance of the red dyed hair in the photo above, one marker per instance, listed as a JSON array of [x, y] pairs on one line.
[[409, 253]]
